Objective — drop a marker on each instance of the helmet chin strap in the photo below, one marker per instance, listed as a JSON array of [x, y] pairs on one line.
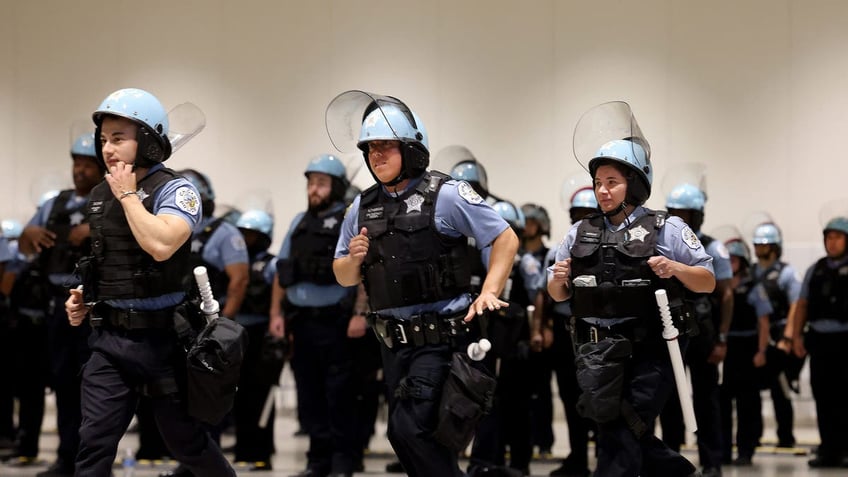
[[621, 209], [397, 180]]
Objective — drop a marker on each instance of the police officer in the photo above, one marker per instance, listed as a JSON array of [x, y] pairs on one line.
[[508, 425], [25, 352], [405, 238], [822, 310], [742, 373], [59, 234], [7, 427], [254, 443], [610, 264], [706, 350], [318, 313], [141, 219], [556, 318], [783, 287]]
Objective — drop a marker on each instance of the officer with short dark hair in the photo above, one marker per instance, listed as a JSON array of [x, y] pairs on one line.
[[406, 239], [609, 265], [59, 234], [307, 303], [141, 219]]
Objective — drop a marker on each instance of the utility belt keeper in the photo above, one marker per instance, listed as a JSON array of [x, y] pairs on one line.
[[418, 330], [116, 318]]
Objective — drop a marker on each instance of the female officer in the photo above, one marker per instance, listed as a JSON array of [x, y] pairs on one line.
[[610, 264]]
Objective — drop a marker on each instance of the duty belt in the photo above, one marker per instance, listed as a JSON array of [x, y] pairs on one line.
[[418, 330], [588, 333], [105, 315]]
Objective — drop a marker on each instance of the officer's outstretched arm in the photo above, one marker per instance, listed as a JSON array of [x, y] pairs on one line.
[[501, 260]]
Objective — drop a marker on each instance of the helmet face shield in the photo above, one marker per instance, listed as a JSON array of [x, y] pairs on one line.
[[461, 164], [356, 117], [577, 191], [186, 121], [605, 123]]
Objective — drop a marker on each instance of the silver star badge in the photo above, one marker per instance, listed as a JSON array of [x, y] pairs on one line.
[[330, 222], [638, 233], [76, 218], [414, 203]]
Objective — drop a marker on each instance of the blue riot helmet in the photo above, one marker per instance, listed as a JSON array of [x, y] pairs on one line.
[[839, 224], [690, 198], [260, 222], [84, 146], [768, 234], [358, 117], [510, 213], [738, 248], [147, 112], [609, 134], [637, 167], [12, 229], [333, 167], [203, 185], [474, 173], [584, 199], [538, 213]]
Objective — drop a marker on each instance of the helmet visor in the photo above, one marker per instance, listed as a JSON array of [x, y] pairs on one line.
[[346, 112], [604, 123], [186, 121], [692, 173], [577, 182], [754, 220]]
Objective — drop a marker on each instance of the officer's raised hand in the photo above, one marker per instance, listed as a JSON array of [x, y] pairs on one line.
[[34, 238], [559, 279], [359, 246], [121, 179], [75, 308]]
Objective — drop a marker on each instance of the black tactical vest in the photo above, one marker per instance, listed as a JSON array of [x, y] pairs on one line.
[[409, 262], [218, 279], [779, 301], [619, 262], [121, 269], [828, 295], [744, 314], [313, 246], [62, 257], [257, 297]]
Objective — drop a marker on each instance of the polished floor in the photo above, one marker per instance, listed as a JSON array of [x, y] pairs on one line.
[[290, 456]]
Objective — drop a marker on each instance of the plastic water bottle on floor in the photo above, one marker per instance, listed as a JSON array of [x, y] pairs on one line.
[[128, 463]]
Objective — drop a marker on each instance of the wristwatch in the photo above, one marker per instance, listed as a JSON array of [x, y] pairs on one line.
[[722, 338]]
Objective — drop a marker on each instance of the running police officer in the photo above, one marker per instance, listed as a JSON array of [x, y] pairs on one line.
[[317, 312], [141, 219], [406, 239], [823, 309], [713, 312], [59, 233], [610, 264]]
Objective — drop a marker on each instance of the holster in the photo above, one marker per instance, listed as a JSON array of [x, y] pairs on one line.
[[600, 375], [467, 396]]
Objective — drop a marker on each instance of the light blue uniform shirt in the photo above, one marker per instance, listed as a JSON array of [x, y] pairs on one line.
[[823, 325], [75, 202], [6, 253], [166, 202], [459, 212], [307, 294], [721, 259], [224, 247]]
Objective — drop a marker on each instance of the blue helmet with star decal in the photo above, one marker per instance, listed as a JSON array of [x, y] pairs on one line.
[[333, 167], [145, 110]]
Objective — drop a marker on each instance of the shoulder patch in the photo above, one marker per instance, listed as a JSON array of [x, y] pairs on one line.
[[468, 193], [187, 200], [689, 238]]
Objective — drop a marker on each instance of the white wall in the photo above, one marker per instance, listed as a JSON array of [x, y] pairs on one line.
[[754, 88]]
